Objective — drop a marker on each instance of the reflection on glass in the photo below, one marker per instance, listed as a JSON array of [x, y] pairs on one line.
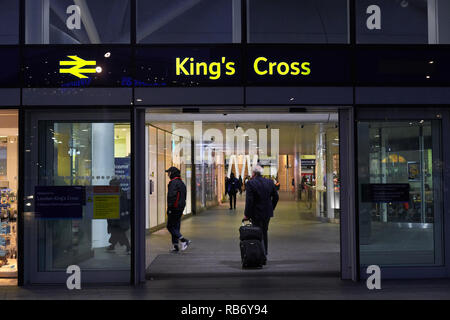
[[399, 174], [9, 22], [297, 21], [77, 22], [95, 157], [403, 21], [188, 21]]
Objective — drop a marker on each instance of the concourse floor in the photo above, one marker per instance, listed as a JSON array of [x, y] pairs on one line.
[[296, 244]]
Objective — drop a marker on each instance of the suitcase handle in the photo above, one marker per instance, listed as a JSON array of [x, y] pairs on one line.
[[248, 224]]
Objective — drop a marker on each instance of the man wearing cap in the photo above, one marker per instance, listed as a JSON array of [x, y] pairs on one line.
[[176, 201]]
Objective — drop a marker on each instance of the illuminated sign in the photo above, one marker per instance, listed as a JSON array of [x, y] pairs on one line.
[[262, 66], [188, 66], [211, 69], [78, 65], [292, 65]]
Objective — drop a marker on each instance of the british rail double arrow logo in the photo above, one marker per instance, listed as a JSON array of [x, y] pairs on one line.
[[78, 65]]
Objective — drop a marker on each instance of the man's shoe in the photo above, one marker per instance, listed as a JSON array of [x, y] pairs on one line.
[[185, 245], [110, 248], [174, 249]]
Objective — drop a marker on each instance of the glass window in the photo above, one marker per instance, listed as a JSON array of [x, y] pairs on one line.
[[188, 21], [403, 21], [84, 168], [9, 21], [9, 162], [399, 175], [297, 21], [77, 22], [442, 15]]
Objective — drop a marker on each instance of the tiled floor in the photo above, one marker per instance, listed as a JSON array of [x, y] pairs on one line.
[[295, 245]]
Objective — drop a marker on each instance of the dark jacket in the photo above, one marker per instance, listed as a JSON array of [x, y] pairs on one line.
[[176, 195], [261, 198], [232, 185]]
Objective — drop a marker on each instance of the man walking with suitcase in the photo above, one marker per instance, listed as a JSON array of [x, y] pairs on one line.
[[176, 201], [260, 201]]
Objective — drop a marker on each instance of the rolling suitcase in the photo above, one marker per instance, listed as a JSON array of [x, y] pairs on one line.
[[252, 249], [252, 254], [250, 232]]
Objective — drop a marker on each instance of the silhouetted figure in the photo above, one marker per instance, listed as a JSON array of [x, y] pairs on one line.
[[232, 188], [118, 227], [240, 185], [260, 201], [176, 202]]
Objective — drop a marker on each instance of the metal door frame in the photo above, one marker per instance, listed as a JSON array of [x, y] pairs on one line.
[[31, 274], [406, 113]]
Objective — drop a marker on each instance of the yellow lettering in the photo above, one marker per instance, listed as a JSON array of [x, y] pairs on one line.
[[180, 66], [230, 67], [202, 65], [285, 66], [295, 68], [271, 66], [305, 67], [214, 70], [255, 66]]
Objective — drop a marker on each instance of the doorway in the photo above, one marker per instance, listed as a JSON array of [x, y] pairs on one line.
[[78, 161], [299, 152]]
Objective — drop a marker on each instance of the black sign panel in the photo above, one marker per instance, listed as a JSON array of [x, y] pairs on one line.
[[59, 201], [10, 67], [187, 66], [297, 65], [385, 192], [226, 65], [403, 65], [76, 67]]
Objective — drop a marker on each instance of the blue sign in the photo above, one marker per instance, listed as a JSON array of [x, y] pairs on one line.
[[122, 170], [61, 202]]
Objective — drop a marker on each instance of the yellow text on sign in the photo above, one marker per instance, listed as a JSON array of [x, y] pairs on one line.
[[262, 66], [106, 207]]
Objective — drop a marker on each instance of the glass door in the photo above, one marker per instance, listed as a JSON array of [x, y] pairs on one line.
[[78, 195], [400, 194]]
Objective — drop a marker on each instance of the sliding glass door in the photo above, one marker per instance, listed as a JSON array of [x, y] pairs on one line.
[[78, 195]]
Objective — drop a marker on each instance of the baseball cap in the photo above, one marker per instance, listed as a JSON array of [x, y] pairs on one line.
[[172, 169]]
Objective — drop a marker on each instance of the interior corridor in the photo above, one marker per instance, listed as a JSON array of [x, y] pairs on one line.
[[297, 244]]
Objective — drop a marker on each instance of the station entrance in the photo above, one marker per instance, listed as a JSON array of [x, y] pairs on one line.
[[298, 152]]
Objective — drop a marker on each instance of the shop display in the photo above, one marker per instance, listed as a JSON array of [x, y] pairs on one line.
[[8, 233]]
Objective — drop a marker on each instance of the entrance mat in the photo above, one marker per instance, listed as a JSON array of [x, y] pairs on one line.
[[195, 265]]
